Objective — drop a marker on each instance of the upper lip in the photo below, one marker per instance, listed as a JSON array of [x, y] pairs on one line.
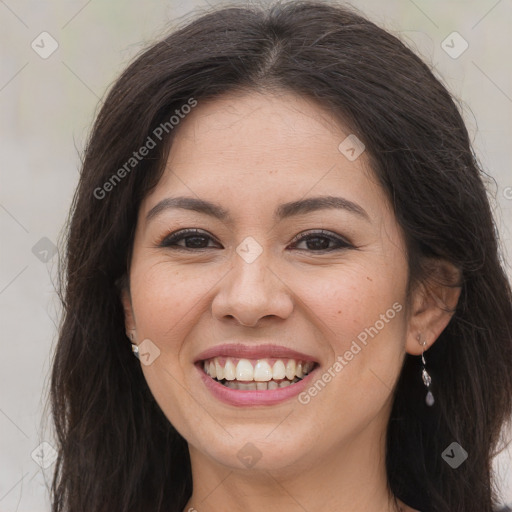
[[253, 352]]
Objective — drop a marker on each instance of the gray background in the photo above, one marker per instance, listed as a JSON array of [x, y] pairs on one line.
[[47, 106]]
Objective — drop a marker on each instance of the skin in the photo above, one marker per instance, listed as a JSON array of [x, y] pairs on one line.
[[250, 152]]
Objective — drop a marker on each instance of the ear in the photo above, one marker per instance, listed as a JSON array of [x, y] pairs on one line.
[[126, 301], [432, 305]]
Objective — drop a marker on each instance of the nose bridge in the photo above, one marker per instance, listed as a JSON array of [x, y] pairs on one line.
[[252, 289], [250, 272], [251, 265]]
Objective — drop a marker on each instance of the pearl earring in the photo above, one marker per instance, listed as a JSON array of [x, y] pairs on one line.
[[135, 348]]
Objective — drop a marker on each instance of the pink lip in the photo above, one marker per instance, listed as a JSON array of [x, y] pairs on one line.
[[253, 352], [253, 398]]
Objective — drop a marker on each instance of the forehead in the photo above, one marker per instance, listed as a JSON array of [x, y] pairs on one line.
[[256, 149], [258, 124]]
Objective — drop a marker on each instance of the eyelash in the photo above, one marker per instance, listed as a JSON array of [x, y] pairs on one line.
[[171, 239]]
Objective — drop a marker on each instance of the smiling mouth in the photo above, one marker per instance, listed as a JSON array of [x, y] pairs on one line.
[[256, 374]]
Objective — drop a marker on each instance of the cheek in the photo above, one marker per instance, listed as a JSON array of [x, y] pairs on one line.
[[163, 297], [166, 302], [359, 311], [351, 297]]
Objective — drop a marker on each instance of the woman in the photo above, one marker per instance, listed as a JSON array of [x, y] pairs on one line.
[[280, 213]]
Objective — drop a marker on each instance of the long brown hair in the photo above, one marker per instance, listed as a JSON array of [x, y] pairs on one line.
[[116, 449]]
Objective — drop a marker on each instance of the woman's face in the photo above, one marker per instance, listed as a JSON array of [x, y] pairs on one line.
[[337, 297]]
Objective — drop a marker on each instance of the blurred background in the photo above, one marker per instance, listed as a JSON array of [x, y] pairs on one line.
[[58, 58]]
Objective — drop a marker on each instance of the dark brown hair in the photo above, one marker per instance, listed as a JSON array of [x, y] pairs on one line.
[[117, 450]]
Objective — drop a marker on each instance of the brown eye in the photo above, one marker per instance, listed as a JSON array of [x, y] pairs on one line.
[[193, 239], [320, 240]]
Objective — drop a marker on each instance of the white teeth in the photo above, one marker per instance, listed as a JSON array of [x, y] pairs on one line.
[[263, 372], [290, 369], [211, 371], [260, 386], [229, 370], [219, 371], [284, 383], [272, 384], [244, 370], [278, 370]]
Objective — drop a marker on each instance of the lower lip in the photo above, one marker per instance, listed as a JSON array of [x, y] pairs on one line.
[[246, 397]]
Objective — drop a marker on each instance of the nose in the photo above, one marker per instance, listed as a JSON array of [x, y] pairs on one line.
[[251, 292]]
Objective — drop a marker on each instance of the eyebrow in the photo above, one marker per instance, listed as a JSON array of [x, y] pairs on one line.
[[283, 211]]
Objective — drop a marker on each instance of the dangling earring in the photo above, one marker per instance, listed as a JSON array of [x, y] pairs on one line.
[[429, 399], [135, 348]]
